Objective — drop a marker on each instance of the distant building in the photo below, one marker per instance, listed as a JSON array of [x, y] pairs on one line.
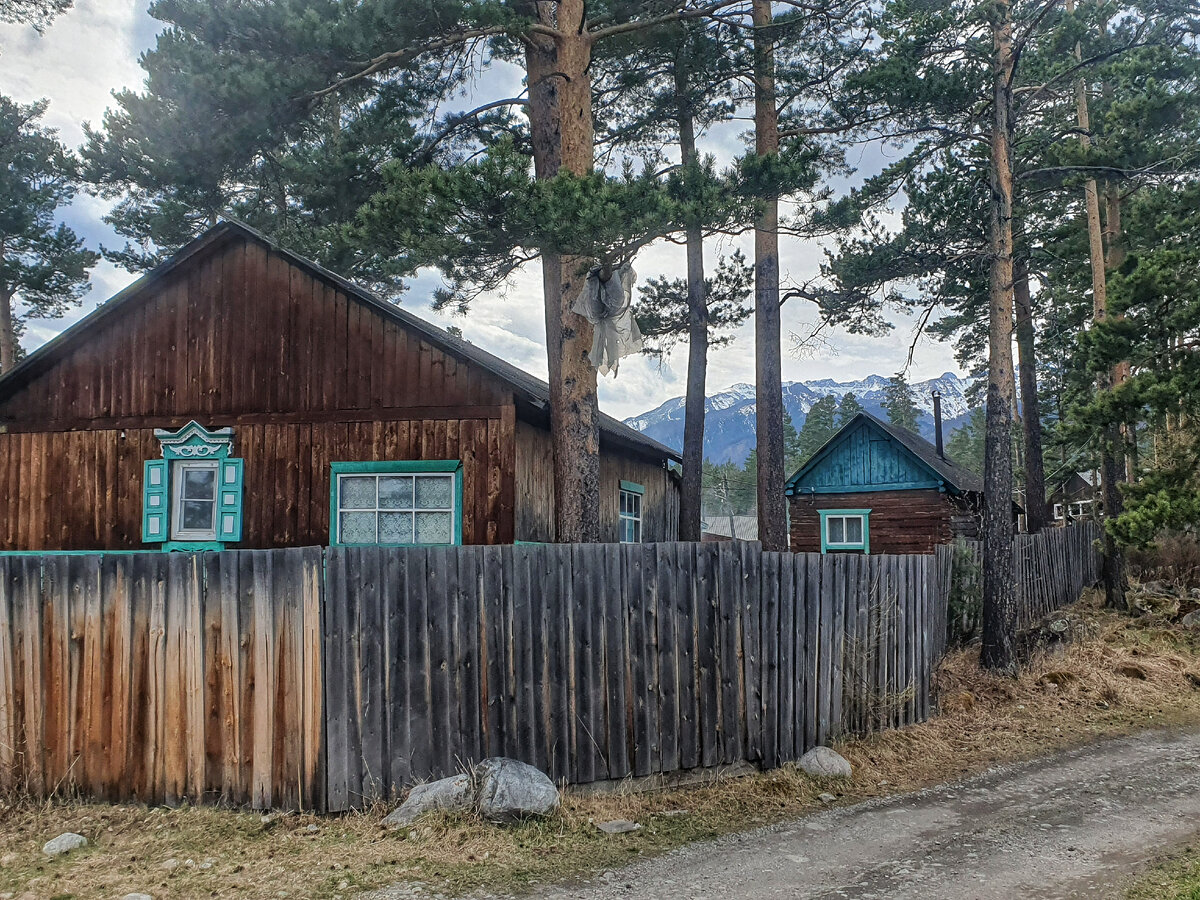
[[876, 488], [1076, 498], [721, 527]]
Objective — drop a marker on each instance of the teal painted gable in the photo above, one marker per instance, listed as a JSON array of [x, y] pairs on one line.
[[863, 458]]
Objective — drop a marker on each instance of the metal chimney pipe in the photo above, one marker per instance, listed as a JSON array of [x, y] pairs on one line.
[[937, 424]]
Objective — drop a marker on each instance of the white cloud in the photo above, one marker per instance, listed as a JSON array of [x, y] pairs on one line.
[[93, 50]]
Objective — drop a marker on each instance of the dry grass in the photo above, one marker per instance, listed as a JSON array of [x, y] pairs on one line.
[[1121, 676]]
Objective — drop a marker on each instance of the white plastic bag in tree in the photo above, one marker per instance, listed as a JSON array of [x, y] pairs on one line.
[[608, 305]]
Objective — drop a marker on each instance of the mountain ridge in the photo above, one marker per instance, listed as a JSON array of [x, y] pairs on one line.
[[729, 419]]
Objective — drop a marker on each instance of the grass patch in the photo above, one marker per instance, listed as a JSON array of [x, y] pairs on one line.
[[1088, 692], [1175, 879]]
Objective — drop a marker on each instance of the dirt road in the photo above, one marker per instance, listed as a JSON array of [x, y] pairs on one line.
[[1070, 826]]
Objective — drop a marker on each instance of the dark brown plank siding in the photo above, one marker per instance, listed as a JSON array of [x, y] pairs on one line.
[[901, 521], [287, 481], [241, 331], [306, 376]]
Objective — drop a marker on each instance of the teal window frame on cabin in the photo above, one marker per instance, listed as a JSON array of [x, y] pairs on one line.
[[164, 495], [630, 505], [453, 467], [846, 546]]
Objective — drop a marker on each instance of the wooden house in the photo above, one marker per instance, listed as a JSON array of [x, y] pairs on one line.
[[876, 488], [1077, 498], [239, 395]]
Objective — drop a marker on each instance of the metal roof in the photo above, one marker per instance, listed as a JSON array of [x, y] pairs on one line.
[[533, 390]]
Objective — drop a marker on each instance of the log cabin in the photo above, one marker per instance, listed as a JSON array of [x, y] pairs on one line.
[[877, 488], [241, 396]]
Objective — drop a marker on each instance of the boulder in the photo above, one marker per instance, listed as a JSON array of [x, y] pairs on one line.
[[821, 762], [1192, 619], [64, 843], [449, 794], [509, 790]]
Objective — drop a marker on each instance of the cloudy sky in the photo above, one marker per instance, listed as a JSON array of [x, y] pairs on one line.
[[94, 49]]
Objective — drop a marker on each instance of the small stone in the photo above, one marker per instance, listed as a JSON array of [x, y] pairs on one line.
[[206, 864], [137, 897], [64, 843], [822, 762], [675, 813], [618, 826], [1192, 619], [313, 829], [826, 798], [8, 859], [170, 864]]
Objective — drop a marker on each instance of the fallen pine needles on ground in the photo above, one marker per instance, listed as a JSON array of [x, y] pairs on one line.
[[1120, 675]]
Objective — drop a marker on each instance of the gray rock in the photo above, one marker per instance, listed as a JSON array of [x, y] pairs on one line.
[[821, 762], [510, 790], [1192, 619], [137, 897], [618, 826], [64, 843], [826, 798], [449, 794]]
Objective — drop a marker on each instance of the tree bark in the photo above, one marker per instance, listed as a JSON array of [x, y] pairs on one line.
[[691, 499], [1110, 469], [561, 130], [1031, 418], [8, 334], [999, 602], [772, 505]]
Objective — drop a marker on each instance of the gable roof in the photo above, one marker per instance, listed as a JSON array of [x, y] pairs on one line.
[[956, 477], [534, 391]]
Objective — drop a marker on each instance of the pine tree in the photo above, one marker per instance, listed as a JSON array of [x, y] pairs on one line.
[[848, 408], [965, 445], [38, 13], [819, 427], [793, 453], [900, 404], [43, 264]]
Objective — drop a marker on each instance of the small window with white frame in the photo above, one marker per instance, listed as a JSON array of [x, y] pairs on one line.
[[397, 503], [630, 522], [845, 530], [194, 500]]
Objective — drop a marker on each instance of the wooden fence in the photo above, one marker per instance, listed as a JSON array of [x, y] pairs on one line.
[[602, 661], [1052, 569], [163, 676], [327, 678]]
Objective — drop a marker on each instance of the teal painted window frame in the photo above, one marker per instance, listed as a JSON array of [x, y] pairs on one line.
[[864, 545], [631, 487], [396, 467], [193, 443]]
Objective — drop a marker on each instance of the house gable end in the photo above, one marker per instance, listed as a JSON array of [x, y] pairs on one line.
[[863, 457]]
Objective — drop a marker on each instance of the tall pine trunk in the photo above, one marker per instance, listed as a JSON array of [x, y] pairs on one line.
[[999, 600], [8, 333], [1031, 418], [1111, 468], [691, 499], [772, 505], [561, 130]]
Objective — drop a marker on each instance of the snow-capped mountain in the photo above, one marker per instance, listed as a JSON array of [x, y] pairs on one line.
[[729, 415]]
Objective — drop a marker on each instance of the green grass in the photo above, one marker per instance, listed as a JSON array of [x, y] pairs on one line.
[[1175, 879]]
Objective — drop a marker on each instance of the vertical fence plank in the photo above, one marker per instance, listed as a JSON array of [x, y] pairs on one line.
[[418, 663], [751, 606], [733, 734], [668, 674], [768, 672]]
